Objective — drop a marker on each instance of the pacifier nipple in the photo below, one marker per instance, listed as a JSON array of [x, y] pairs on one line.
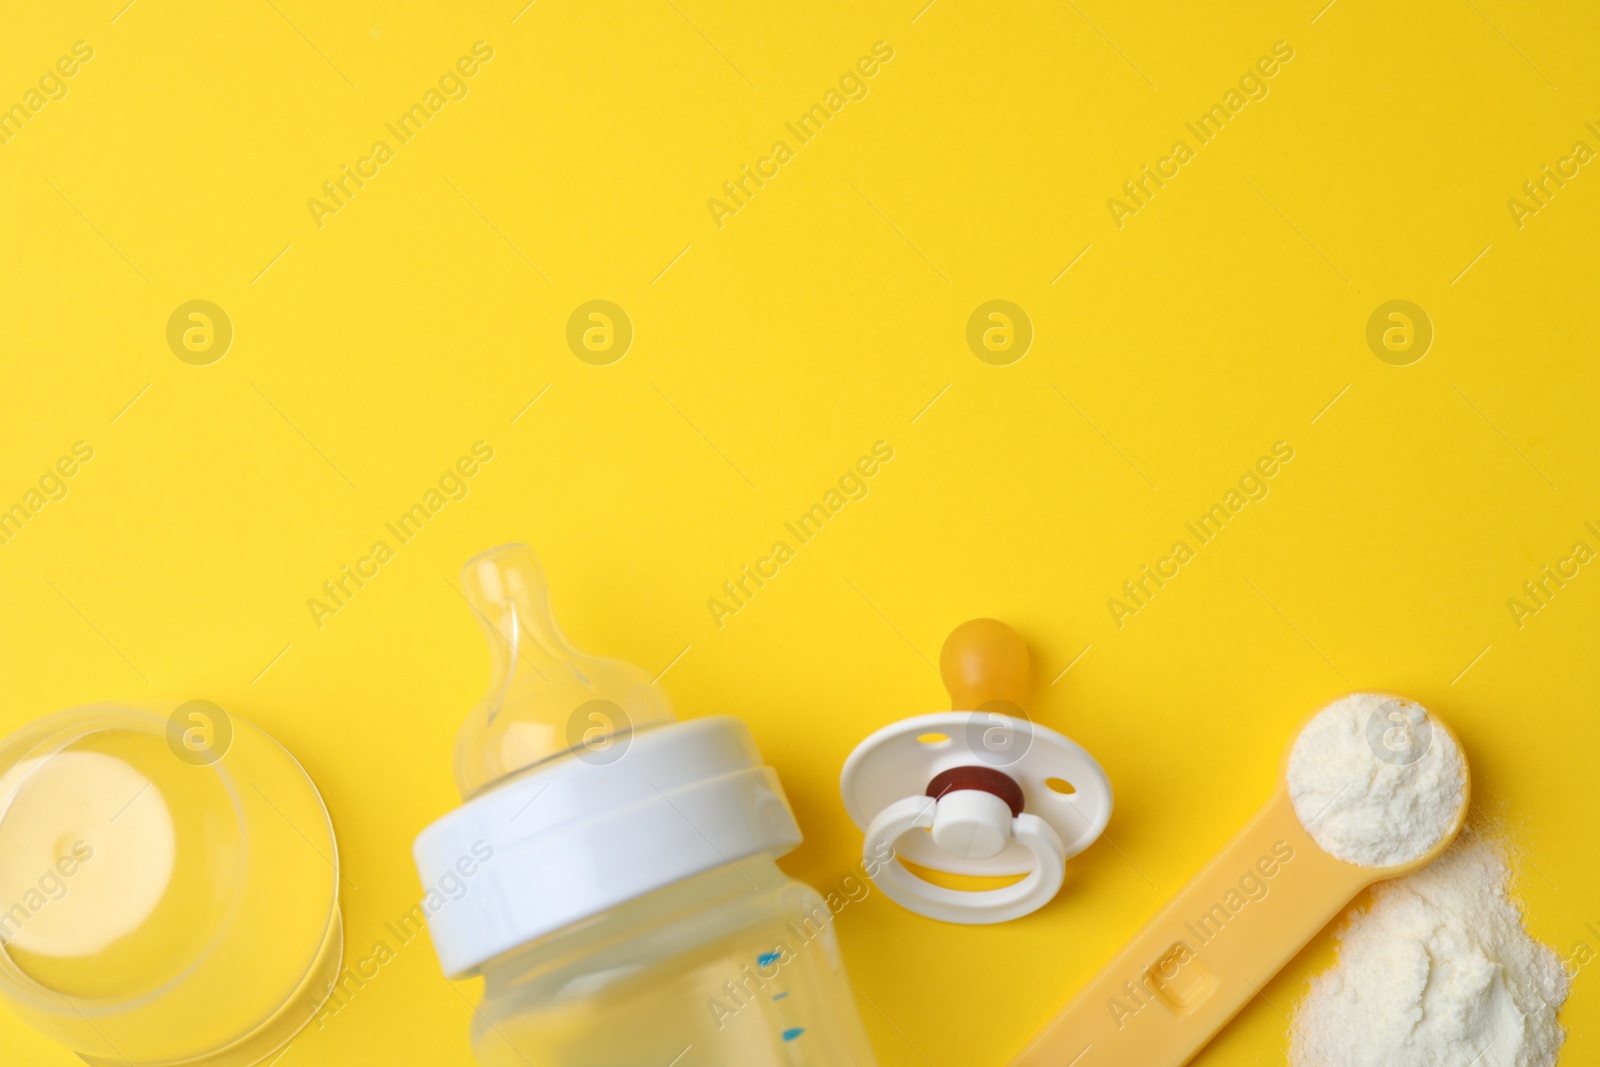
[[983, 661], [546, 697]]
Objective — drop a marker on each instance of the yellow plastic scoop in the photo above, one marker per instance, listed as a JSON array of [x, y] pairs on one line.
[[1352, 784]]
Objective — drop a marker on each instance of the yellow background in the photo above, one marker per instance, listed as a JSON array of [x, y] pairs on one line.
[[768, 355]]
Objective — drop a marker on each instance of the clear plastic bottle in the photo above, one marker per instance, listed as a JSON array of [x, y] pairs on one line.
[[730, 967], [624, 906]]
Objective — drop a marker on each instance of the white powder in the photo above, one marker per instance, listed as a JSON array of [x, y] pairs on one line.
[[1375, 781], [1436, 972]]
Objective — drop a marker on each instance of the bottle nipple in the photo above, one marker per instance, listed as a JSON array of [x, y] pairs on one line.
[[546, 698], [984, 661]]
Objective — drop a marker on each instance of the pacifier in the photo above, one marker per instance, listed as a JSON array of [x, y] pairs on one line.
[[993, 793]]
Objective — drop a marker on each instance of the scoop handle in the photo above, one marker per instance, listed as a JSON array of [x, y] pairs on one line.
[[1208, 952]]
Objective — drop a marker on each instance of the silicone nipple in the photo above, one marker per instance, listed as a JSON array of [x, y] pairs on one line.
[[982, 661], [546, 698]]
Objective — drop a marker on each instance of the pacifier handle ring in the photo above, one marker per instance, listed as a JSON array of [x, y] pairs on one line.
[[955, 905]]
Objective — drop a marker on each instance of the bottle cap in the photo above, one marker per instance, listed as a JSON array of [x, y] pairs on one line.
[[168, 886]]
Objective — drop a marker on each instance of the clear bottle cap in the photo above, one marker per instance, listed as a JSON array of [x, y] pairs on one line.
[[168, 886]]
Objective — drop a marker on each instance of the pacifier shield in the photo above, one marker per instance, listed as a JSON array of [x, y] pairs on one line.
[[906, 758]]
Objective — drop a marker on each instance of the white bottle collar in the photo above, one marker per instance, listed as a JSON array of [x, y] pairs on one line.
[[559, 844]]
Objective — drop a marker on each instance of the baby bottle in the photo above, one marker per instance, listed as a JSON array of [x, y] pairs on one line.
[[612, 872]]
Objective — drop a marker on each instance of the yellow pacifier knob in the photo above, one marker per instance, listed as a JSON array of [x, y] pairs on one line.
[[984, 660]]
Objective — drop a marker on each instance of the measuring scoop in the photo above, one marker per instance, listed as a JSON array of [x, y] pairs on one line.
[[1227, 933]]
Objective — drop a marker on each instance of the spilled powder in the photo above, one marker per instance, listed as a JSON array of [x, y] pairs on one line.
[[1436, 972]]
